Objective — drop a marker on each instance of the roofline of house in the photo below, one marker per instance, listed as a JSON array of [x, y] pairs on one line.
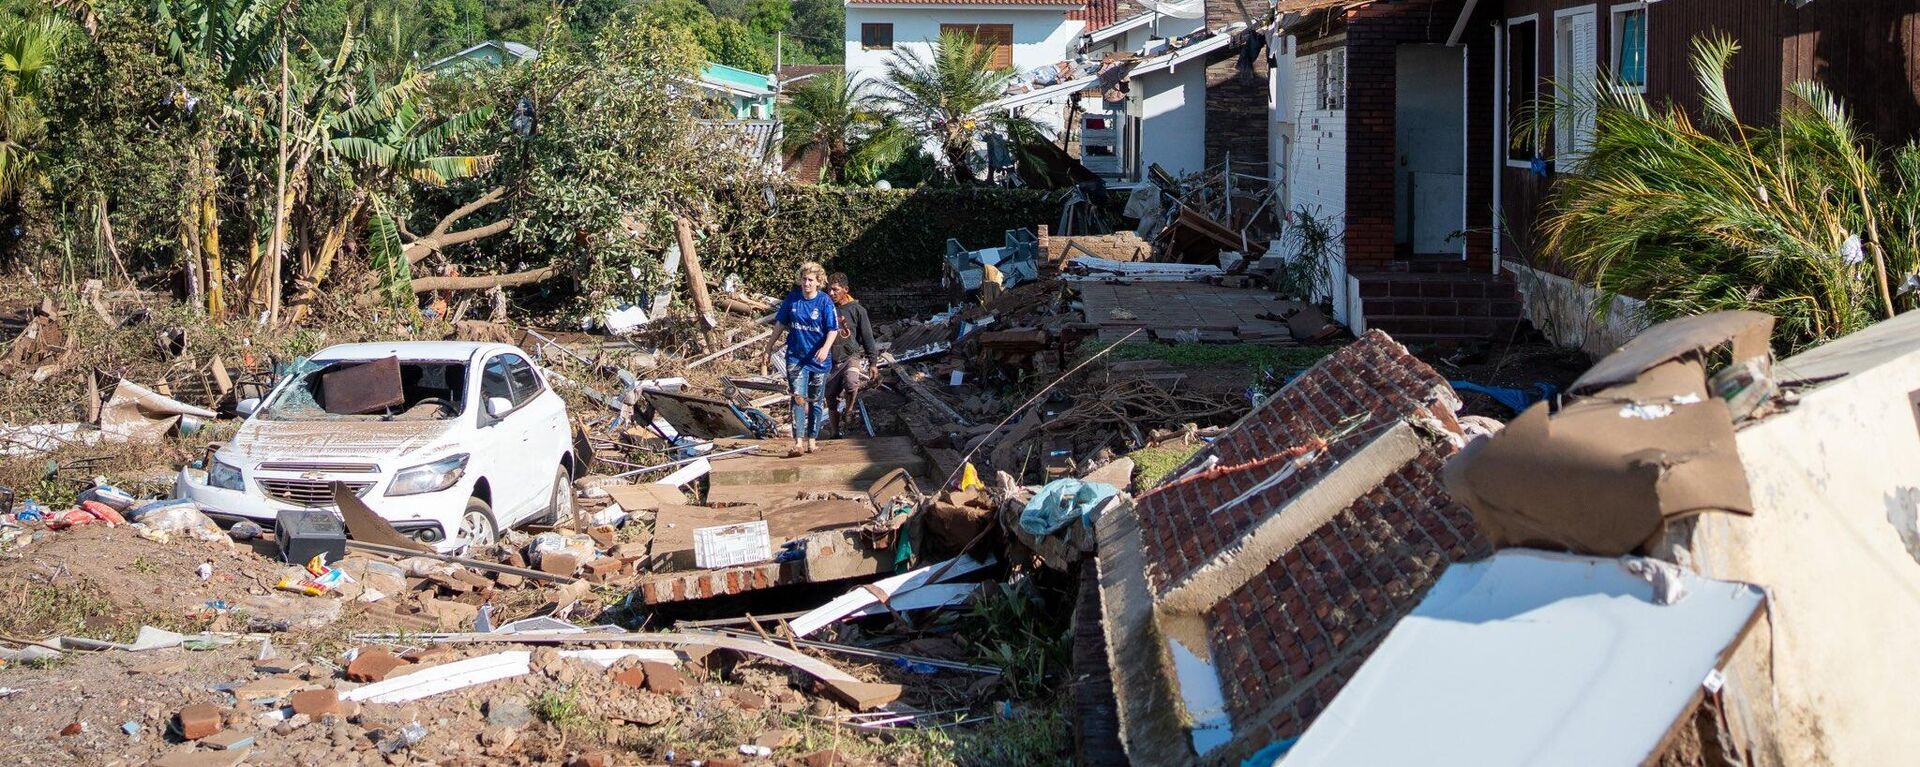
[[1120, 27]]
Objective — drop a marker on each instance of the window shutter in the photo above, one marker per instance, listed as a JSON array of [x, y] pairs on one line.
[[1586, 73]]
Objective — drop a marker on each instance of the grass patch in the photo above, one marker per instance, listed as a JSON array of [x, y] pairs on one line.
[[1151, 465], [1280, 359], [1017, 633], [561, 708], [51, 610]]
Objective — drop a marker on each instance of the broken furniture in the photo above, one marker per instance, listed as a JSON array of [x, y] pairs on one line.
[[1016, 261]]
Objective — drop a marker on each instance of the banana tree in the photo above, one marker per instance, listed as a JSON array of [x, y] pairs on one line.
[[28, 49]]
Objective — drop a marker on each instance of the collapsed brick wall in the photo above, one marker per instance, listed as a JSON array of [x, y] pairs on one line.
[[1118, 246]]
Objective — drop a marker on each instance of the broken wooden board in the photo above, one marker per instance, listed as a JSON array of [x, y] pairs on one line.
[[1168, 308], [673, 526], [645, 497], [837, 462]]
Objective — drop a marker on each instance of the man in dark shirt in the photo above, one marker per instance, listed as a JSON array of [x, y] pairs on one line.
[[856, 361]]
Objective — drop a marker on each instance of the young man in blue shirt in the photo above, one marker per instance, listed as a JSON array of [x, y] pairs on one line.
[[810, 322]]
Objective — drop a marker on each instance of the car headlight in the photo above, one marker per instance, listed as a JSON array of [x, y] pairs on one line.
[[224, 476], [429, 477]]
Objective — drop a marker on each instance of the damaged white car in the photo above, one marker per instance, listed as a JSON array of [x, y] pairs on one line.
[[450, 442]]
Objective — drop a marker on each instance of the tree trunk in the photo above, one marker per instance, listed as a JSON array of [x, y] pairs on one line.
[[529, 277], [309, 280], [207, 207]]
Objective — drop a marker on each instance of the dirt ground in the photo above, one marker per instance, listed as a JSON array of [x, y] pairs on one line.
[[1517, 366]]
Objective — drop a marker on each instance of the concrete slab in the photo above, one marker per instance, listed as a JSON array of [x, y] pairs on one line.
[[837, 462]]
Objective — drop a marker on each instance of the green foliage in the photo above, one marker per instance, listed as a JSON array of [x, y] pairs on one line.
[[29, 51], [1017, 633], [839, 120], [1807, 221], [878, 237], [1311, 242], [937, 93], [1151, 465], [724, 39], [562, 709]]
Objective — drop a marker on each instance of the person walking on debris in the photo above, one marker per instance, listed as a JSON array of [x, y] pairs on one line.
[[810, 323], [856, 360]]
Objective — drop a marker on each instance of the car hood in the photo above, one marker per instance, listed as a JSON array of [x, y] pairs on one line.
[[371, 440]]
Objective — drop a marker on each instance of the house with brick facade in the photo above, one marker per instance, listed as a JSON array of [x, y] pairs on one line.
[[1395, 120], [1239, 597]]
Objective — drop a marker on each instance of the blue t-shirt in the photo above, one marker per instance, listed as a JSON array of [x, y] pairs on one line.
[[808, 321]]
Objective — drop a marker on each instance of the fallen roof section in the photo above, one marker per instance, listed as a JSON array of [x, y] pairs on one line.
[[1539, 658], [1239, 597]]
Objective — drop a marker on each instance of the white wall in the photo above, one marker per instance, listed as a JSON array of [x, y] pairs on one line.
[[1834, 540], [1316, 171], [1563, 310], [1040, 37], [1173, 112]]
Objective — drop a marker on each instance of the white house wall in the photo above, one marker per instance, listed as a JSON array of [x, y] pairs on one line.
[[1041, 37], [1316, 173], [1173, 125]]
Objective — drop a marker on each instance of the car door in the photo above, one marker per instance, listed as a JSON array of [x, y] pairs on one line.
[[500, 445], [544, 423]]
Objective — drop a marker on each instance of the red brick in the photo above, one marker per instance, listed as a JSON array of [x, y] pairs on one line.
[[373, 665], [631, 677], [663, 678], [559, 563], [199, 720], [317, 703]]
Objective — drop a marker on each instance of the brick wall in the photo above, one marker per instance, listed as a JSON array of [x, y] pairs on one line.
[[1119, 246], [1237, 115]]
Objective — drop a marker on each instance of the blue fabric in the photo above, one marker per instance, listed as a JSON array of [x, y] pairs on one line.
[[809, 388], [808, 322], [1271, 754], [1060, 502]]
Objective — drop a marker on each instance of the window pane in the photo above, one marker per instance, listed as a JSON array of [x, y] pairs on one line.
[[1633, 48], [876, 35], [526, 383], [493, 380], [1523, 82]]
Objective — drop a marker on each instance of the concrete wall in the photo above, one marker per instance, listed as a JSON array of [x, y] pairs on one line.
[[1317, 176], [1041, 36], [1564, 311], [1835, 540], [1173, 118]]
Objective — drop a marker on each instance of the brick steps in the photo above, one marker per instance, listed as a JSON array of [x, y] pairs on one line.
[[1440, 303]]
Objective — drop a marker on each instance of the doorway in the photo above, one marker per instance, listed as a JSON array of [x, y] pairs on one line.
[[1429, 180]]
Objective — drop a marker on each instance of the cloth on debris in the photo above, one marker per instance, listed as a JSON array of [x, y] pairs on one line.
[[1062, 501], [808, 321], [1624, 458], [1517, 400]]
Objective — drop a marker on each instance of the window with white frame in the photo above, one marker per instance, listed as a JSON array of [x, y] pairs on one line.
[[1575, 72], [1331, 88], [1629, 56]]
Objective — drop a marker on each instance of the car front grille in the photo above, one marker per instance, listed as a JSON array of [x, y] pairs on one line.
[[312, 493]]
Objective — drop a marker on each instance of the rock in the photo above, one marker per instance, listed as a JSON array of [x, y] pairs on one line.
[[432, 654], [373, 665], [509, 580], [499, 737], [229, 740], [777, 738], [450, 615], [199, 720], [828, 758], [747, 700], [559, 563], [317, 703], [595, 759], [73, 728], [646, 708], [509, 712], [663, 678]]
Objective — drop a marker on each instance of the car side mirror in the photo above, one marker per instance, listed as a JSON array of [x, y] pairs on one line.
[[246, 406], [497, 407]]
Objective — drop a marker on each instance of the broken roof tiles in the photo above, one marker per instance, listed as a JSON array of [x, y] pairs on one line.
[[1258, 587]]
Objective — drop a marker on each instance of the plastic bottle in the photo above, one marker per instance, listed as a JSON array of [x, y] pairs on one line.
[[405, 738], [31, 512]]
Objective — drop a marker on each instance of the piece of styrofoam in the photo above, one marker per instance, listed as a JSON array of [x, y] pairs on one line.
[[445, 678]]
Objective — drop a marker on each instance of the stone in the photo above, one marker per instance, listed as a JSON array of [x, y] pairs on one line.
[[317, 703], [509, 580], [509, 712], [199, 720], [827, 758], [193, 756], [663, 678], [777, 738], [432, 654], [228, 739], [747, 700], [73, 728], [499, 737], [373, 665], [268, 689]]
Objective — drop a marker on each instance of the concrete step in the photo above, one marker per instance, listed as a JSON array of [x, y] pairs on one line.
[[1407, 327]]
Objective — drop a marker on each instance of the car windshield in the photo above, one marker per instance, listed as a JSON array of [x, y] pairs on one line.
[[428, 390]]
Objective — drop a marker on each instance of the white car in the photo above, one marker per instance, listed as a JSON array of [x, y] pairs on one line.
[[480, 444]]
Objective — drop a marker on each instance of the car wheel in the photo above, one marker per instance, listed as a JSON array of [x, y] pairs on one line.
[[477, 527], [560, 506]]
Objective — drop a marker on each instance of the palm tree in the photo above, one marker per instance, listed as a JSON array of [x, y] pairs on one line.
[[938, 94], [1806, 220], [841, 121], [28, 47]]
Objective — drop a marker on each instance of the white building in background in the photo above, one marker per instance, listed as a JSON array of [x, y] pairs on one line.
[[1024, 34]]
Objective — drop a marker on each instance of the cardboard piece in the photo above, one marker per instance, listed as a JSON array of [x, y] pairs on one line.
[[365, 526], [1673, 339], [635, 499], [1605, 474], [137, 412], [367, 387]]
